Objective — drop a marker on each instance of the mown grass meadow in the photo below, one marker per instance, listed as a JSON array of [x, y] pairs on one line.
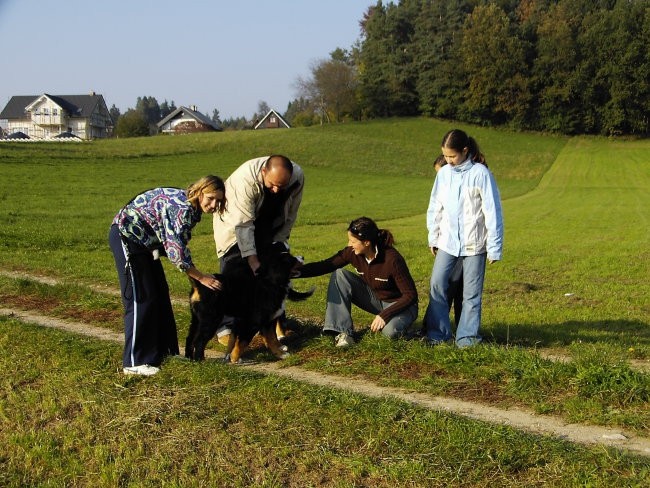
[[574, 281]]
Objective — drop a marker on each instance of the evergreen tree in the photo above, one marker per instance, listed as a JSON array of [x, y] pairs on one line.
[[215, 117], [373, 63], [150, 110], [387, 75], [234, 123], [402, 77], [165, 109], [301, 112], [114, 112], [441, 76]]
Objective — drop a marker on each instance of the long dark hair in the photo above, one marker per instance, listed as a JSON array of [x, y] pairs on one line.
[[365, 229], [458, 140]]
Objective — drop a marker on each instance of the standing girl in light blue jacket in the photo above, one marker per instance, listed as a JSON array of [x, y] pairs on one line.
[[465, 222]]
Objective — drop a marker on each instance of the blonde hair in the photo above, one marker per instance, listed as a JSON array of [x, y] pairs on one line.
[[207, 184]]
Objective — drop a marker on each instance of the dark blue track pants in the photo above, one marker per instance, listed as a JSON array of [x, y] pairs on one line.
[[149, 326]]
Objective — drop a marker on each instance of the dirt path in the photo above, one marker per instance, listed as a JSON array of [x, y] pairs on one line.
[[552, 355], [514, 417]]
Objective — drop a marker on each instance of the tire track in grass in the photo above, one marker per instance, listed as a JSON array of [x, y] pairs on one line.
[[514, 417]]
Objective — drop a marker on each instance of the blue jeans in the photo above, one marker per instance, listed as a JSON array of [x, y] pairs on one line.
[[347, 288], [436, 318]]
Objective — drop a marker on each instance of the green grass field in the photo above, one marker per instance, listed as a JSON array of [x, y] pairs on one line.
[[574, 279]]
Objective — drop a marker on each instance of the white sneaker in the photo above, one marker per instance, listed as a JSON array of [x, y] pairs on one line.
[[344, 340], [143, 369]]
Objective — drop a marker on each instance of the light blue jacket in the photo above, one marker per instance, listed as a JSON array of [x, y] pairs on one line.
[[464, 217]]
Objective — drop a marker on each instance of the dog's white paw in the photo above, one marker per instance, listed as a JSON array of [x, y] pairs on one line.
[[285, 355], [284, 348]]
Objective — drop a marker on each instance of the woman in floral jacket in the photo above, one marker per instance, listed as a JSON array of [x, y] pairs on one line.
[[157, 222]]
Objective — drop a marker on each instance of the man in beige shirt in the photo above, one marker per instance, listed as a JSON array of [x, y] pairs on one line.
[[263, 197]]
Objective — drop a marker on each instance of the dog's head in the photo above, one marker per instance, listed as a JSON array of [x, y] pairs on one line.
[[277, 260], [279, 268]]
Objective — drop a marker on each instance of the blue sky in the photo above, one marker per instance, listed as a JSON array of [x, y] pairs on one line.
[[224, 54]]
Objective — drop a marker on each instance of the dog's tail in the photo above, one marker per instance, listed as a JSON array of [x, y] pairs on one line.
[[296, 296]]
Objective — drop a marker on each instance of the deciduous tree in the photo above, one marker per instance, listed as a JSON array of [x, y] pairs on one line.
[[132, 124], [495, 65], [331, 88]]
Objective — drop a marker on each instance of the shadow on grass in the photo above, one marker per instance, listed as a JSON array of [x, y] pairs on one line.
[[621, 332], [298, 335]]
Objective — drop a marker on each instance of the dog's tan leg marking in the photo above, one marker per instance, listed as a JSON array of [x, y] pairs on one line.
[[231, 344], [272, 342], [196, 296], [279, 331], [238, 350]]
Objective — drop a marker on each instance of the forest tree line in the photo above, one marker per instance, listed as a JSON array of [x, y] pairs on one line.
[[568, 66], [565, 66]]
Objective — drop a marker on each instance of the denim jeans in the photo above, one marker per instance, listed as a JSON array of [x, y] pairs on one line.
[[436, 318], [347, 288]]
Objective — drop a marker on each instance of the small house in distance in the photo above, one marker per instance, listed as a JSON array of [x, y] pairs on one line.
[[272, 120], [44, 116], [184, 120]]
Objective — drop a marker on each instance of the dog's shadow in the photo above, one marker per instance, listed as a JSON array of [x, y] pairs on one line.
[[298, 334]]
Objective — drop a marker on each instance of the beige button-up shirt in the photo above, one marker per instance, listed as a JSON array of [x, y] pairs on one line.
[[245, 194]]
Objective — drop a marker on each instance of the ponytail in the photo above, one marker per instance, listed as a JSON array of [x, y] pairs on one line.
[[366, 229], [458, 140], [385, 238]]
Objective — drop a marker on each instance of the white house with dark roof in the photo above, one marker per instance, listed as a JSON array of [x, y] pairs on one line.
[[272, 120], [184, 120], [46, 116]]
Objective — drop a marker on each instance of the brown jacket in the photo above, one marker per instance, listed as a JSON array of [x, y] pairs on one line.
[[387, 276]]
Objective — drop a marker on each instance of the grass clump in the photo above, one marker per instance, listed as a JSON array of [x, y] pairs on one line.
[[69, 417]]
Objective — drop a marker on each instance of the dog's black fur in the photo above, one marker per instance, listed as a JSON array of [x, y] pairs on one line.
[[254, 300]]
